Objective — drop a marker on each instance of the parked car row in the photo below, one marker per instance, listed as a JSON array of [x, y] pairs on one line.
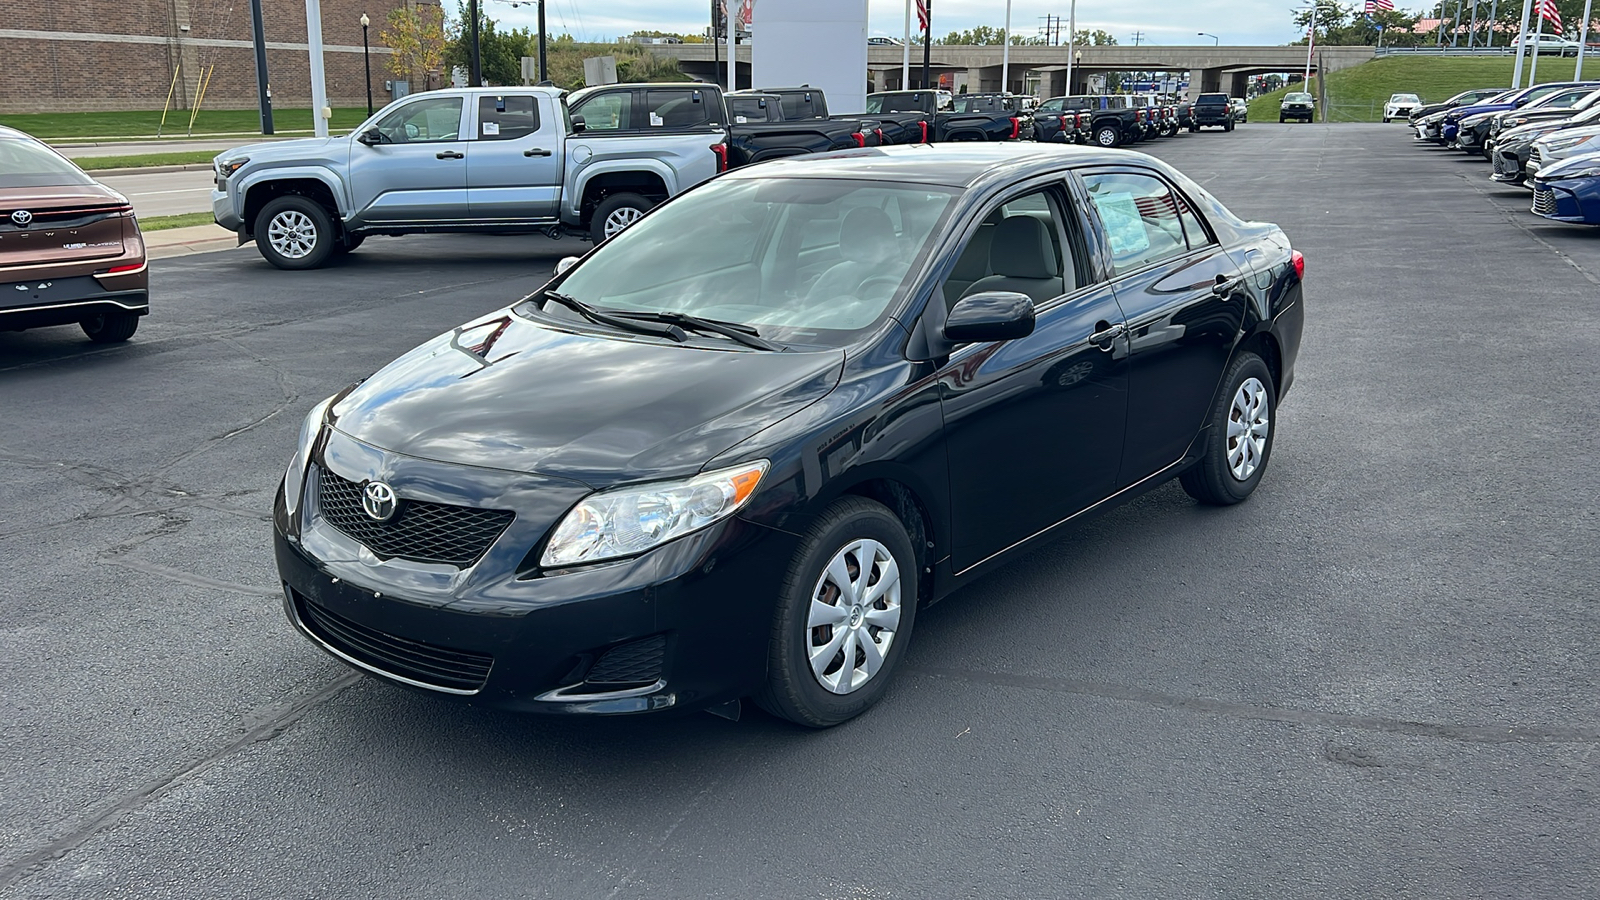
[[1546, 137]]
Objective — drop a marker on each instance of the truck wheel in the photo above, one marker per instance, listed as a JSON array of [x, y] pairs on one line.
[[615, 213], [1108, 136], [1195, 129], [1227, 126], [295, 232]]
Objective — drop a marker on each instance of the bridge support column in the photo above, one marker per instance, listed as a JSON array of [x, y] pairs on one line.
[[1208, 82], [1238, 84]]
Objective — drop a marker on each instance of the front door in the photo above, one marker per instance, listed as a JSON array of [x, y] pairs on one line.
[[514, 171], [1182, 321], [417, 172], [1034, 426]]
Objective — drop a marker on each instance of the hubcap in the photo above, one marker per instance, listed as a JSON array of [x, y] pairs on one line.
[[621, 219], [292, 234], [1108, 138], [855, 611], [1249, 422]]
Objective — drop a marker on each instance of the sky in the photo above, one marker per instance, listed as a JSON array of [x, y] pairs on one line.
[[1240, 22]]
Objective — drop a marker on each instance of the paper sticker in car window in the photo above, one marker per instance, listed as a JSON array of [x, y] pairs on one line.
[[1124, 226]]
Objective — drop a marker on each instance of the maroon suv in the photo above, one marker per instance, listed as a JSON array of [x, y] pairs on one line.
[[70, 248]]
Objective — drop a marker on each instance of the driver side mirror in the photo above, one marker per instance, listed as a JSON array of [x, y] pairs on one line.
[[566, 263], [371, 136], [989, 316], [578, 124]]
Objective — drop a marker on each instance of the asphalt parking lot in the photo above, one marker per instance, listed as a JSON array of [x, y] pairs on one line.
[[1376, 678]]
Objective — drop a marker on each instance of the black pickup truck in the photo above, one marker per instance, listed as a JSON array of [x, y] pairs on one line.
[[758, 131], [806, 103], [1113, 122], [1212, 109], [942, 121], [1000, 106]]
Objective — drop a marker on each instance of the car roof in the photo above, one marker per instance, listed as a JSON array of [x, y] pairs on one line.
[[959, 165]]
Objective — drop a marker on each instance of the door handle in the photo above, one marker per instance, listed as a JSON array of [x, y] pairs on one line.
[[1225, 286], [536, 152], [1107, 335], [449, 154]]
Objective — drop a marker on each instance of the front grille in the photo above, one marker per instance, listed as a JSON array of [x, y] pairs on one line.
[[1535, 160], [1502, 165], [428, 664], [425, 532], [1544, 202], [637, 662]]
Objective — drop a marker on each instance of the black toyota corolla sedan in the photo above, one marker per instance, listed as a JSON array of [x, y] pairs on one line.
[[730, 452]]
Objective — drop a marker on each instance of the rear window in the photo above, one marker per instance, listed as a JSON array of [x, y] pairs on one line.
[[25, 163], [1210, 99]]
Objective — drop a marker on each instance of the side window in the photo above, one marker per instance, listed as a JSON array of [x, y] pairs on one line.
[[675, 109], [425, 121], [1141, 218], [1192, 228], [1017, 247], [507, 118], [611, 111]]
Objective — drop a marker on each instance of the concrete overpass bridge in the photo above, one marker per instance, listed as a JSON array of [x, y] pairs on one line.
[[1224, 69]]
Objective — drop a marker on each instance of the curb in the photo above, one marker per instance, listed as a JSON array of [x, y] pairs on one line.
[[146, 170], [209, 245], [176, 139]]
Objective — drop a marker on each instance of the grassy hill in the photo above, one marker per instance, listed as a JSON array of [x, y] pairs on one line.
[[1358, 94]]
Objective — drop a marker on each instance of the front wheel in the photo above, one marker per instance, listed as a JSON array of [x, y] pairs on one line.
[[295, 232], [1108, 136], [1227, 126], [1238, 441], [844, 616], [617, 212], [110, 327]]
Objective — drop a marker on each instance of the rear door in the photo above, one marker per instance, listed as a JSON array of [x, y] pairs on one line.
[[418, 173], [514, 170], [1184, 299], [677, 126]]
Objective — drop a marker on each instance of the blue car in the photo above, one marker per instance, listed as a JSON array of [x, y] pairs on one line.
[[1569, 191], [1451, 128]]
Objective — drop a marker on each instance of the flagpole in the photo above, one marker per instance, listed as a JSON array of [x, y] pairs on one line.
[[1311, 46], [1538, 32], [905, 60], [1005, 53], [1072, 38], [1583, 39], [733, 46], [927, 44], [1522, 43]]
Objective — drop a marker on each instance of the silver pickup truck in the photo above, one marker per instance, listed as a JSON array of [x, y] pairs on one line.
[[525, 159]]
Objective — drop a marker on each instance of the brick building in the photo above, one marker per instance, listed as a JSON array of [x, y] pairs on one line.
[[122, 54]]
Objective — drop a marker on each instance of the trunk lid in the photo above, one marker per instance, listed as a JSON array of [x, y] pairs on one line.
[[59, 224]]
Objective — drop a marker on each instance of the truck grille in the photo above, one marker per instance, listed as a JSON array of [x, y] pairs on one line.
[[1544, 202], [424, 532], [427, 664], [636, 662]]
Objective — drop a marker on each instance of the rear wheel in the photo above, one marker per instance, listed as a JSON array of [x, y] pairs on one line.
[[617, 212], [1108, 136], [110, 327], [295, 232], [1227, 126], [1239, 438], [844, 616]]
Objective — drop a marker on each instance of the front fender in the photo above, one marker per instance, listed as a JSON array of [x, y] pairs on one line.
[[329, 177]]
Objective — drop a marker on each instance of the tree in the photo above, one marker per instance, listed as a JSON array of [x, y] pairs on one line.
[[987, 35], [500, 53], [1096, 38], [417, 37], [1345, 24]]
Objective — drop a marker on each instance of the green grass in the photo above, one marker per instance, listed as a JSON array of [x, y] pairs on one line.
[[162, 223], [1358, 94], [143, 160], [135, 123]]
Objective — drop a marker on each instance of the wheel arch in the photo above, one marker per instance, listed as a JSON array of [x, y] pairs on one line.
[[260, 193], [1265, 345], [597, 187], [909, 505]]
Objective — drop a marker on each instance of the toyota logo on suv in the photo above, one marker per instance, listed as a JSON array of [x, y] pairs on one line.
[[378, 500]]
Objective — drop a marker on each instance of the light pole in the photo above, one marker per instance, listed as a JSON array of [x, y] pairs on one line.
[[1072, 38], [1213, 37], [263, 85], [366, 59]]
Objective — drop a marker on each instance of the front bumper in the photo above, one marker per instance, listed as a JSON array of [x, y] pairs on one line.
[[1562, 204], [682, 627], [223, 211], [1509, 164]]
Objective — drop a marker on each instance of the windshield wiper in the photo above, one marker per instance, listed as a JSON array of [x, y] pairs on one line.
[[743, 334], [594, 315]]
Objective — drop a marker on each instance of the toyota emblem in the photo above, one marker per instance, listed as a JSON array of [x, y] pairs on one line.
[[379, 501], [22, 217]]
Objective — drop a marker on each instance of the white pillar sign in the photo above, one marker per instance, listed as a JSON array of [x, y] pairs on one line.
[[818, 42]]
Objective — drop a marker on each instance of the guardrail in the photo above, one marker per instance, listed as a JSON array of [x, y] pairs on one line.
[[1475, 51]]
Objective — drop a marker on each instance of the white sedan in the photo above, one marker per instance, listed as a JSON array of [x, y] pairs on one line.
[[1400, 106]]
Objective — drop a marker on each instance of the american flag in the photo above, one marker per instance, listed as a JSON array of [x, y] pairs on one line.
[[922, 15], [1379, 6], [1549, 13]]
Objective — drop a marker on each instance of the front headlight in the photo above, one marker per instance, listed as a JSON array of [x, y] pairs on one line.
[[1475, 121], [631, 520], [294, 480], [1567, 142], [229, 166], [1585, 172]]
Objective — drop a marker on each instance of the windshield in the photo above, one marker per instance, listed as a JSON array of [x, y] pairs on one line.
[[1296, 98], [802, 260], [25, 163], [981, 104], [1404, 98]]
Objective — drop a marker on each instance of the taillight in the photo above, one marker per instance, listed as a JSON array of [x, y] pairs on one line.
[[130, 267], [924, 124], [1016, 127], [859, 138], [721, 150], [1064, 123], [1299, 261], [881, 139]]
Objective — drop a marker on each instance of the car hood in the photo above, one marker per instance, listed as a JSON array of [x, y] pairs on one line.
[[298, 150], [1527, 134], [1570, 165], [505, 392]]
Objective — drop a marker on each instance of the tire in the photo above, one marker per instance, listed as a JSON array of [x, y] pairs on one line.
[[794, 690], [1218, 479], [1227, 126], [305, 236], [1194, 129], [110, 327], [1281, 120], [1385, 120], [620, 210], [1108, 136]]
